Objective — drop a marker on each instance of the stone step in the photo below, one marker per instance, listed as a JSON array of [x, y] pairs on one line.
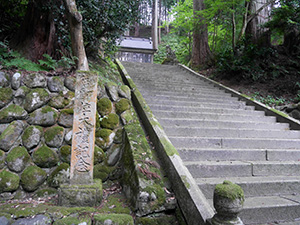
[[159, 107], [221, 124], [211, 154], [254, 186], [183, 87], [235, 143], [185, 94], [224, 105], [271, 209], [170, 82], [183, 91], [230, 132], [217, 99], [252, 116], [206, 169]]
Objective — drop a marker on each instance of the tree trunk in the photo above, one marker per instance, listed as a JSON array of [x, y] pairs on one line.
[[75, 24], [154, 24], [136, 29], [258, 34], [159, 23], [37, 33], [200, 49], [233, 30]]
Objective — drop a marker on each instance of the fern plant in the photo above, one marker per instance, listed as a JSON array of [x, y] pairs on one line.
[[48, 63]]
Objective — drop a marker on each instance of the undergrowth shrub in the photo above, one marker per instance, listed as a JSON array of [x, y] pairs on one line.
[[13, 59], [249, 62]]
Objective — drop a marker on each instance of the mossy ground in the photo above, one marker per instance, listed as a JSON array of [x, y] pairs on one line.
[[114, 202]]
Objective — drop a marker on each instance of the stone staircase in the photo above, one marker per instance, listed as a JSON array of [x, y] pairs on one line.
[[221, 138]]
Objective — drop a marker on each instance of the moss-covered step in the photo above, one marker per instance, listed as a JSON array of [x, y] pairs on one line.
[[81, 195]]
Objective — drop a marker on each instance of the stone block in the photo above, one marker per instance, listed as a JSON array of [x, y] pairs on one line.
[[82, 195]]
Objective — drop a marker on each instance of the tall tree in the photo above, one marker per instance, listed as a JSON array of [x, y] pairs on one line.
[[37, 33], [45, 29], [261, 14], [155, 24], [75, 24], [200, 49]]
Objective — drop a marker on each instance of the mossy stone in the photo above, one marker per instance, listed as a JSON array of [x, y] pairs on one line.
[[32, 136], [122, 105], [55, 83], [8, 181], [59, 175], [111, 121], [2, 159], [158, 191], [126, 117], [70, 220], [46, 192], [118, 219], [112, 90], [118, 139], [6, 95], [125, 91], [99, 155], [35, 99], [229, 190], [17, 159], [65, 153], [4, 79], [97, 121], [32, 177], [104, 106], [45, 116], [45, 157], [12, 112], [66, 118], [159, 220], [11, 134], [104, 138], [54, 136], [35, 80], [70, 83], [101, 172], [62, 100]]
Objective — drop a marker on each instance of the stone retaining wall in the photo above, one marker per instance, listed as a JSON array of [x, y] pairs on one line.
[[36, 118]]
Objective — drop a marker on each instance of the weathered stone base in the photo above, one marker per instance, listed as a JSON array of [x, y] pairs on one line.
[[221, 221], [75, 195]]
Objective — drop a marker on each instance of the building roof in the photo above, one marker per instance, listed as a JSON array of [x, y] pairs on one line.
[[136, 43]]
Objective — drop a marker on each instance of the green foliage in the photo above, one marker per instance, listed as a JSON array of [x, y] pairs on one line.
[[105, 21], [250, 62], [286, 22], [270, 100], [13, 59], [48, 63], [12, 13], [177, 45]]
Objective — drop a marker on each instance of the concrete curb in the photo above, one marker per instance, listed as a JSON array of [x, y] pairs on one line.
[[192, 201], [280, 117]]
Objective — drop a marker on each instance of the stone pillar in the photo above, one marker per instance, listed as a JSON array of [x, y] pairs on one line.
[[84, 120], [83, 190], [228, 202]]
